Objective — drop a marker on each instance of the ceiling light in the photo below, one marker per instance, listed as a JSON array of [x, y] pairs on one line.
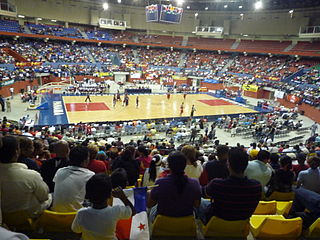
[[188, 7], [291, 11], [21, 16], [53, 20], [119, 1], [225, 6], [196, 14], [206, 8], [240, 6], [258, 5], [39, 19], [180, 2], [105, 6], [241, 14]]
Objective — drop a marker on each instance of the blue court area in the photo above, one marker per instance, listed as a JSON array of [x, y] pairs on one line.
[[54, 112]]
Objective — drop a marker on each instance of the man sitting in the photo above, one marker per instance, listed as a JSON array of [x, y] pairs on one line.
[[234, 198], [70, 182]]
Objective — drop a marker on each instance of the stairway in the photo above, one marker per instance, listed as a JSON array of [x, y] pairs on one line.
[[15, 55], [287, 49], [83, 34], [185, 41], [136, 57], [26, 29], [224, 69], [92, 60], [183, 60], [235, 44]]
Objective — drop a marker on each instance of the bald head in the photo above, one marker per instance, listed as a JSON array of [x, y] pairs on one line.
[[61, 148]]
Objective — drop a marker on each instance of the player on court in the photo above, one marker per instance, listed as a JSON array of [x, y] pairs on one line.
[[193, 109], [184, 96], [114, 101], [87, 98], [181, 109], [168, 95], [137, 101]]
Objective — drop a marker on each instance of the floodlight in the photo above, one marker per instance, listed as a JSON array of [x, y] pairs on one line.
[[105, 6], [258, 5], [196, 14], [119, 1], [21, 16], [240, 6], [188, 7], [180, 2], [225, 6], [206, 8], [291, 11]]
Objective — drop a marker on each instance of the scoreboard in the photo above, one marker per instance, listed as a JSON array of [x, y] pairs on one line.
[[163, 13]]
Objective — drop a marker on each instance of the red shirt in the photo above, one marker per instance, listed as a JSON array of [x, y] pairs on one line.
[[97, 166], [296, 168]]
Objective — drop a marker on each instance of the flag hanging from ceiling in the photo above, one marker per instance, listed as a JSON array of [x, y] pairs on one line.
[[136, 227]]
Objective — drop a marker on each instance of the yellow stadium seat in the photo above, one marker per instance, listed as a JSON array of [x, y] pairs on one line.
[[313, 231], [266, 208], [283, 207], [50, 221], [280, 196], [19, 220], [218, 227], [275, 227], [164, 226]]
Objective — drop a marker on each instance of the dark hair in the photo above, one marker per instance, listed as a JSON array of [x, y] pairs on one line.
[[101, 156], [126, 155], [238, 160], [274, 158], [222, 150], [301, 157], [9, 149], [263, 155], [286, 161], [119, 178], [26, 147], [254, 145], [78, 155], [177, 162], [153, 168], [314, 162], [143, 150], [98, 188], [191, 154]]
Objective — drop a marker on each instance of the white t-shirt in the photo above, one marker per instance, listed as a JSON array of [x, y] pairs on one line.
[[70, 188], [99, 224], [259, 171], [192, 171]]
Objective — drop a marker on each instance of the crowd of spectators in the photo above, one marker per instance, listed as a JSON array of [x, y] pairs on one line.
[[55, 30], [159, 57], [5, 58]]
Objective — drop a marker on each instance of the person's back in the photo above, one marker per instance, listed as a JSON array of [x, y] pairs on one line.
[[310, 178], [22, 189], [218, 168], [69, 189], [236, 197], [258, 169], [99, 221]]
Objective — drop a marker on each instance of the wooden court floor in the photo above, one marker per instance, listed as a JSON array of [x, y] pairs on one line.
[[150, 107]]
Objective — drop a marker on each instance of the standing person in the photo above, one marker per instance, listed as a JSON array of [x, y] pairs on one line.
[[118, 96], [193, 134], [168, 95], [108, 87], [181, 109], [87, 98], [137, 101], [127, 100], [114, 101], [314, 129], [184, 96], [2, 103], [11, 92], [193, 109], [8, 103]]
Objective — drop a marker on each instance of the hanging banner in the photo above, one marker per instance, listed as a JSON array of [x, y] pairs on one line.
[[293, 99], [250, 88]]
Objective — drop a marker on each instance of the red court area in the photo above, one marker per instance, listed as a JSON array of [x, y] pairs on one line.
[[216, 102], [79, 107]]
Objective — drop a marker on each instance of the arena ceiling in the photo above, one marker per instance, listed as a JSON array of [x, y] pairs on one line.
[[229, 5]]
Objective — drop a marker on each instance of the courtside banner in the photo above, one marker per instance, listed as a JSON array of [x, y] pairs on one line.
[[250, 88], [135, 228]]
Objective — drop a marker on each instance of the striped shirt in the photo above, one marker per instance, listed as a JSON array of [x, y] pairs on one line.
[[233, 198]]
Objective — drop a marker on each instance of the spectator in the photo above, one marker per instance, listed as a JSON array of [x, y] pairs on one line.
[[176, 194], [22, 189], [193, 168], [152, 173], [128, 163], [301, 166], [233, 198], [50, 167], [310, 178], [8, 235], [26, 151], [283, 178], [259, 169], [94, 165], [99, 221], [144, 158], [253, 151], [69, 189], [274, 161], [119, 178]]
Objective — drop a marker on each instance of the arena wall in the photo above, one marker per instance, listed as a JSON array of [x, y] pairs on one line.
[[5, 92], [266, 24]]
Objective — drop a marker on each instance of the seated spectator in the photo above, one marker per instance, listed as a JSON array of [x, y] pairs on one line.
[[22, 189], [193, 168], [50, 167], [283, 178], [301, 166], [253, 151], [310, 178], [100, 220], [274, 161], [152, 173], [26, 151], [217, 168], [70, 182], [94, 165], [128, 163], [177, 194], [8, 235], [233, 198], [259, 169], [119, 178], [144, 158]]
